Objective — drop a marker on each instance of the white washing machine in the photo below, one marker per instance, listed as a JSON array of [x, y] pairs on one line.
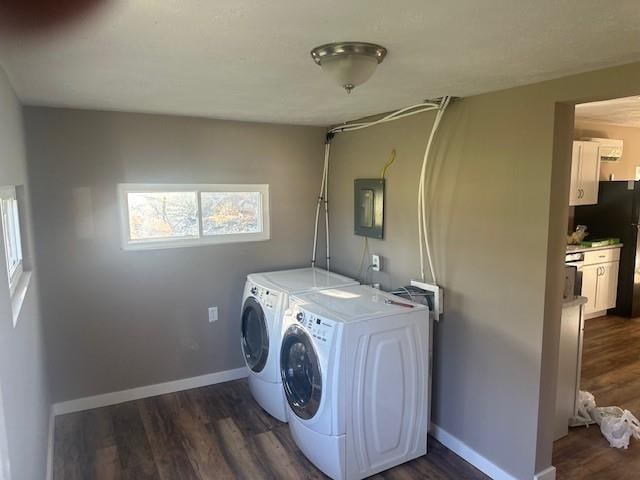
[[265, 299], [354, 364]]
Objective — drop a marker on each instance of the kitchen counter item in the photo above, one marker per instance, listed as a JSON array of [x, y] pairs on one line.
[[600, 242]]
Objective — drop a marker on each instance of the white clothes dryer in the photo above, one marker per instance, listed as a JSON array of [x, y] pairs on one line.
[[265, 299], [354, 364]]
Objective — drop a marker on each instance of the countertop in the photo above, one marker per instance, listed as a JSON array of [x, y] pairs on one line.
[[578, 248], [574, 302]]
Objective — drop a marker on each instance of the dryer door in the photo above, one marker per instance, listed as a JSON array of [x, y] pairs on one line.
[[300, 370], [255, 335]]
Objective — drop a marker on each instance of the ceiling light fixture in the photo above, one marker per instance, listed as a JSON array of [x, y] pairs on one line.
[[349, 63]]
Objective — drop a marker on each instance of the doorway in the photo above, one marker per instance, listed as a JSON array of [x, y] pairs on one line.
[[600, 325]]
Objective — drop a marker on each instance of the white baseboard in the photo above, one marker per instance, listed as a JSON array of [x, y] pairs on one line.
[[96, 401], [548, 473], [469, 454], [50, 445]]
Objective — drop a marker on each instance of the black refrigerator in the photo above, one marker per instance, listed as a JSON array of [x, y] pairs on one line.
[[617, 214]]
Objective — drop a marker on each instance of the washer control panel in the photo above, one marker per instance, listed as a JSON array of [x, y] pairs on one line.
[[319, 328], [267, 298]]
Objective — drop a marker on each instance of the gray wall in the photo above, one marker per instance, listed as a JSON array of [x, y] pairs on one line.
[[120, 319], [23, 385], [499, 196], [487, 349]]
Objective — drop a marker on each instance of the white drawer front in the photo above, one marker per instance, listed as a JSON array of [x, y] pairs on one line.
[[602, 256]]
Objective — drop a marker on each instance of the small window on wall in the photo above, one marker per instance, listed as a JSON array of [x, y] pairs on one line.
[[11, 235], [165, 216], [16, 276]]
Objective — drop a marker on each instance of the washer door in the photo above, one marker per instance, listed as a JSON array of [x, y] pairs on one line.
[[255, 335], [300, 370]]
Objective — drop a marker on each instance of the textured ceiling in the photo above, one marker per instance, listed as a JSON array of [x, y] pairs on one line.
[[249, 60], [621, 111]]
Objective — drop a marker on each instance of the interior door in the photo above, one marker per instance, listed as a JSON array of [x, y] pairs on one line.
[[589, 173], [589, 287], [255, 335], [300, 370], [574, 191], [607, 283]]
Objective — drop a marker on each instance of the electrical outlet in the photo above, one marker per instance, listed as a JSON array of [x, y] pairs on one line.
[[376, 263], [213, 314]]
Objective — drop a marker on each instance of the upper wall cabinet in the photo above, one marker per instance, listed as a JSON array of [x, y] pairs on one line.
[[585, 173]]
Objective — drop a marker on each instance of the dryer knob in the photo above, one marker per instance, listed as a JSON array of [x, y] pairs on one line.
[[254, 290], [299, 316]]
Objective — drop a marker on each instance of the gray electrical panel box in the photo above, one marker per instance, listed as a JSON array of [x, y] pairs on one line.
[[369, 207]]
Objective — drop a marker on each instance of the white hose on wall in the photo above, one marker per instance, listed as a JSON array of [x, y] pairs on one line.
[[423, 233], [323, 199], [326, 204]]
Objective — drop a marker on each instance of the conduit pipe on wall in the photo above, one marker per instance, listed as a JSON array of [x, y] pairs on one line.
[[323, 200], [423, 231], [422, 216]]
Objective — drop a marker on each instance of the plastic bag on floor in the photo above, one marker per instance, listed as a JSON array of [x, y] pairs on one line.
[[586, 401], [617, 425]]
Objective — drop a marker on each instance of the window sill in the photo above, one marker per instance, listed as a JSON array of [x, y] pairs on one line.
[[19, 295], [196, 242]]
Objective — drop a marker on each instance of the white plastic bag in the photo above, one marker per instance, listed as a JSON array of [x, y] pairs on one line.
[[617, 425], [586, 402]]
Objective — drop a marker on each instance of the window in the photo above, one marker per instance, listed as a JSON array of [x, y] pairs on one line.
[[163, 216], [11, 235], [18, 278]]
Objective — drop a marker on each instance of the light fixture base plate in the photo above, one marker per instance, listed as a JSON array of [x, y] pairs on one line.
[[348, 48]]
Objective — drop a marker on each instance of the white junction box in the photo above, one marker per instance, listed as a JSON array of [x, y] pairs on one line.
[[438, 296], [213, 314]]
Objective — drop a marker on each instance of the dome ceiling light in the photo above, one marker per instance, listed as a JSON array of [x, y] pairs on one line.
[[349, 63]]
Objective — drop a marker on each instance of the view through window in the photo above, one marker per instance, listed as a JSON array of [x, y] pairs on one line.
[[157, 216]]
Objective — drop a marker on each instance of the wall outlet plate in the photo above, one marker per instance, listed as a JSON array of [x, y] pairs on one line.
[[213, 314], [376, 263]]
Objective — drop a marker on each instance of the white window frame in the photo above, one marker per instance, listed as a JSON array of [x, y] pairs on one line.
[[11, 236], [17, 277], [125, 235]]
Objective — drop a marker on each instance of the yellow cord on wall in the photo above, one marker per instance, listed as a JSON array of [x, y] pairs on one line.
[[392, 159]]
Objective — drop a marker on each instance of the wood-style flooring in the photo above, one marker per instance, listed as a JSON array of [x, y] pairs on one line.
[[611, 371], [215, 432]]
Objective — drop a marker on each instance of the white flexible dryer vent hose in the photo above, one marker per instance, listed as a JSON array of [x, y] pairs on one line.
[[423, 233]]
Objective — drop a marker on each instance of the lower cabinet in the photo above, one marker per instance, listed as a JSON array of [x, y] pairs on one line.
[[569, 365], [599, 286]]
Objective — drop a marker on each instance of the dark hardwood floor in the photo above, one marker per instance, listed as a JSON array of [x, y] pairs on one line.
[[611, 371], [215, 432]]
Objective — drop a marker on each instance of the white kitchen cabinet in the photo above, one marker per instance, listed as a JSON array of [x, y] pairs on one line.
[[600, 281], [569, 365], [589, 287], [606, 286], [585, 173]]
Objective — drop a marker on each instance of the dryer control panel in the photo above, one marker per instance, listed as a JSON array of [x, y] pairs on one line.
[[319, 328]]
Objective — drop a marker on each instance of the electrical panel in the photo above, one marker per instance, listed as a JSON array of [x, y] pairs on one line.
[[369, 207]]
